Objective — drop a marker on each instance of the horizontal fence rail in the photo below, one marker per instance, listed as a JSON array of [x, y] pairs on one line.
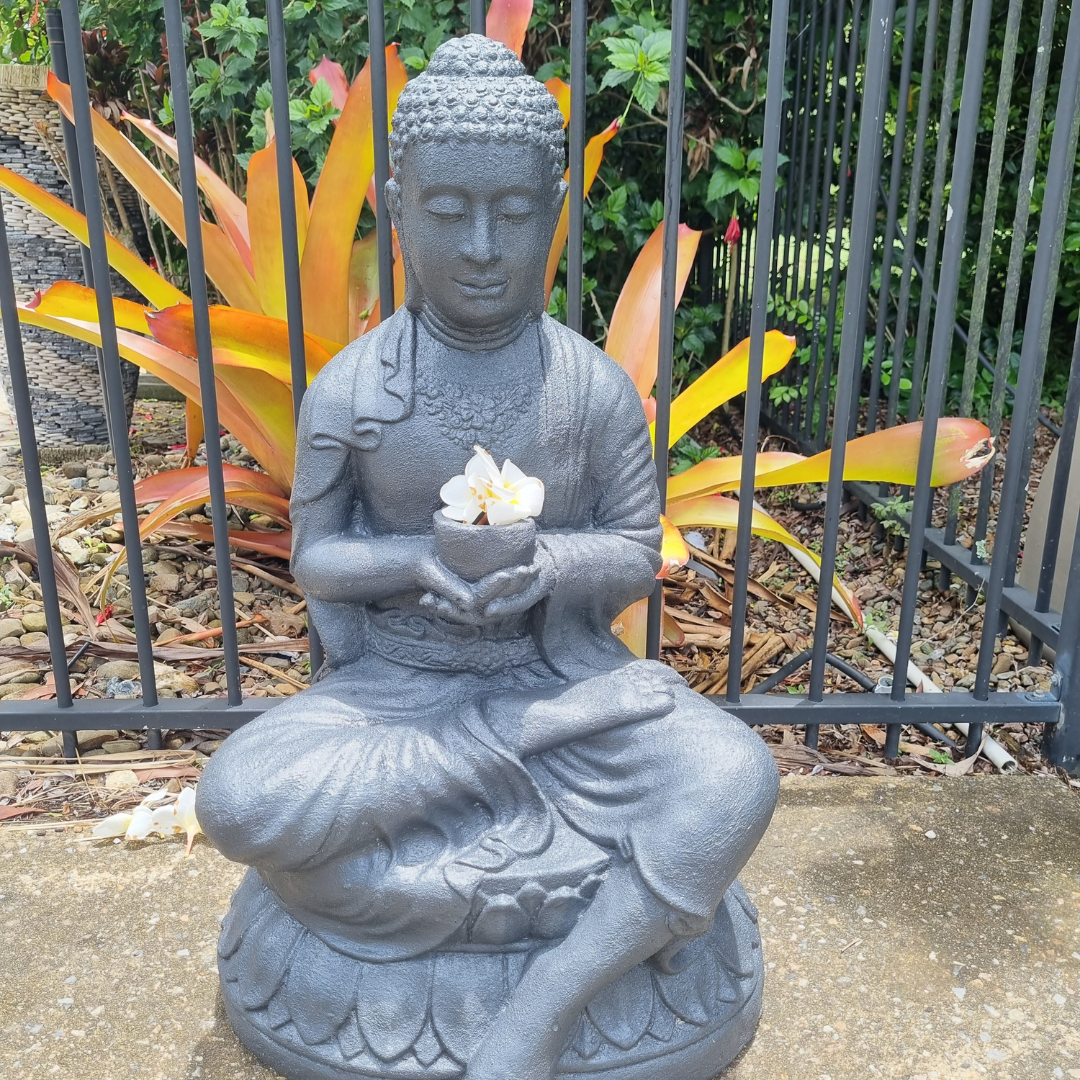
[[856, 247]]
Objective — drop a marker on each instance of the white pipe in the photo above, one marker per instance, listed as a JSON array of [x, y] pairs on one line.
[[995, 753]]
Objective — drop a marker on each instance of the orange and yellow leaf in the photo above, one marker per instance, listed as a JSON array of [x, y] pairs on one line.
[[129, 266], [634, 336], [336, 205], [724, 474], [223, 265], [68, 300], [240, 339], [673, 549], [255, 407], [264, 222], [724, 380], [171, 482], [228, 207], [594, 154], [507, 21], [891, 456], [194, 429], [560, 91]]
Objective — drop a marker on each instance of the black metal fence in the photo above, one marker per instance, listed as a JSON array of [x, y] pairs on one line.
[[851, 214]]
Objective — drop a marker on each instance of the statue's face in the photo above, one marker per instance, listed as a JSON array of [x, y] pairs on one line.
[[475, 222]]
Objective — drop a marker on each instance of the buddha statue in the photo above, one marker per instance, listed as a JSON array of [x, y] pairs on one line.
[[488, 842]]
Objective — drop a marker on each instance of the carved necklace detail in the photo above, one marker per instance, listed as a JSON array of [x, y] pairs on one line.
[[470, 415]]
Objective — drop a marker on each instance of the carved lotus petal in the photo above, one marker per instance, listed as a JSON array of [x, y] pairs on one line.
[[623, 1009], [691, 993], [263, 957], [320, 990], [467, 995], [277, 1011], [559, 912], [427, 1048], [350, 1038], [662, 1024], [502, 921], [587, 1040], [250, 903], [726, 943], [392, 1003]]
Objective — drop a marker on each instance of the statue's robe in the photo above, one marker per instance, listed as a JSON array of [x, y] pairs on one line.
[[374, 803]]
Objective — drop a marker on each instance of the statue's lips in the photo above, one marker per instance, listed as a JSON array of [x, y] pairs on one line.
[[482, 290]]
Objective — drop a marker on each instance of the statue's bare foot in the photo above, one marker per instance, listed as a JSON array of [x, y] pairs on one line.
[[643, 690], [509, 1053]]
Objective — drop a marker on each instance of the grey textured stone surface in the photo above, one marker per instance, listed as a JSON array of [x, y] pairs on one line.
[[501, 847], [63, 374], [996, 893]]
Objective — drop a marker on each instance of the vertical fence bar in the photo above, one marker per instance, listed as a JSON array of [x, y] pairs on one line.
[[986, 240], [937, 196], [818, 435], [290, 245], [54, 25], [384, 235], [672, 199], [1056, 510], [802, 211], [819, 123], [1014, 273], [826, 201], [290, 250], [35, 491], [918, 160], [797, 119], [114, 387], [477, 16], [189, 191], [940, 352], [1061, 744], [575, 270], [876, 75], [895, 170], [1059, 179], [756, 360]]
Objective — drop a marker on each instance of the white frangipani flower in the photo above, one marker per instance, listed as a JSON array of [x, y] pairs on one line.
[[149, 818], [504, 495]]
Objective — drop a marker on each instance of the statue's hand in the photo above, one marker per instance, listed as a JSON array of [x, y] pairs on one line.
[[447, 595], [512, 591]]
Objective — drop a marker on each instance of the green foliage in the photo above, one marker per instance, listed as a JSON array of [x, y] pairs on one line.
[[628, 54], [22, 33], [640, 60], [688, 452]]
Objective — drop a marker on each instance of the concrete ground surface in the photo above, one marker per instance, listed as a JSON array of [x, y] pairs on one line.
[[912, 928]]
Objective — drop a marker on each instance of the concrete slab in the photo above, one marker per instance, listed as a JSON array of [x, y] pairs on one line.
[[915, 929]]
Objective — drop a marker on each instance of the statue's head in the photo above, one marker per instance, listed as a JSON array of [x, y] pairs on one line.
[[477, 153]]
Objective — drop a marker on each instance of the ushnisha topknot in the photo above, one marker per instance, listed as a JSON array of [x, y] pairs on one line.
[[476, 89]]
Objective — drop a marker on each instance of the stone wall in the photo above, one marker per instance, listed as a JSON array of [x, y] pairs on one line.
[[65, 386]]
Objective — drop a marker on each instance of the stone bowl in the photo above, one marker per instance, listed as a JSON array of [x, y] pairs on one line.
[[474, 551]]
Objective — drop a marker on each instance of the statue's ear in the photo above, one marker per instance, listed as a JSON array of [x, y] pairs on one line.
[[557, 203], [393, 201]]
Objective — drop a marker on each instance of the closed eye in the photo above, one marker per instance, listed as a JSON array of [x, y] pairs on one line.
[[516, 208], [448, 207]]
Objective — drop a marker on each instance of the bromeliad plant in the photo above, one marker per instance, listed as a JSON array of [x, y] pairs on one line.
[[243, 253]]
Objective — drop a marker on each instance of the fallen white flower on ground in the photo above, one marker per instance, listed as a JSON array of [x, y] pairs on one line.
[[504, 495], [148, 817]]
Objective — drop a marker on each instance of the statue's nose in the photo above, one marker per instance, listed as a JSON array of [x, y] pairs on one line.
[[483, 246]]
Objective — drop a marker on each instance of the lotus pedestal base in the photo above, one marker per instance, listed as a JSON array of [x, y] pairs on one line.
[[312, 1013]]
